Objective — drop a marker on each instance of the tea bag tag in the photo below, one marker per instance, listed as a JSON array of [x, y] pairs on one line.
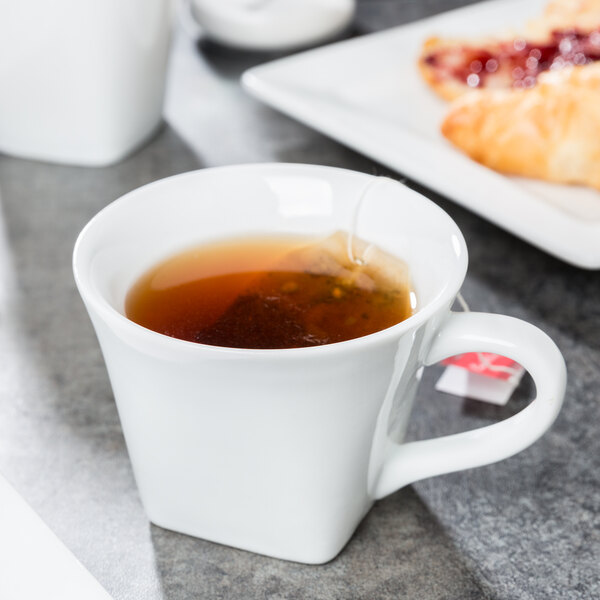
[[481, 376]]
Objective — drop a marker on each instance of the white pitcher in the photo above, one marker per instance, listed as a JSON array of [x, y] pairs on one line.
[[81, 81]]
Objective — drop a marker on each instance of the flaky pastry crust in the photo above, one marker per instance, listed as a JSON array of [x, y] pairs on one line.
[[583, 15], [551, 131]]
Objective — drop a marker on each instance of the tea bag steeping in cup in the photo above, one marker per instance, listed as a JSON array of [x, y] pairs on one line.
[[330, 290]]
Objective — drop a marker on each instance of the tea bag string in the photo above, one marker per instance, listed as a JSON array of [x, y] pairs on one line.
[[361, 260], [484, 362]]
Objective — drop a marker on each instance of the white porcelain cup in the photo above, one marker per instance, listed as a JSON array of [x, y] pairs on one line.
[[283, 452], [81, 81]]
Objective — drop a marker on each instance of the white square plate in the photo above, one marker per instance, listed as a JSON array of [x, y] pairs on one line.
[[367, 94]]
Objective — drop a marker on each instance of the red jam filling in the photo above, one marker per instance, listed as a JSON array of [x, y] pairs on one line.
[[519, 62]]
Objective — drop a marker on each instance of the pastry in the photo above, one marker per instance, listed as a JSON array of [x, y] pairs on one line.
[[568, 33], [550, 131]]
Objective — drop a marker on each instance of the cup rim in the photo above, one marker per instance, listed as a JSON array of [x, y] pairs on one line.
[[109, 313]]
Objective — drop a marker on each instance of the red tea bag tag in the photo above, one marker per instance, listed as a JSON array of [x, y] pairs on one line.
[[480, 376]]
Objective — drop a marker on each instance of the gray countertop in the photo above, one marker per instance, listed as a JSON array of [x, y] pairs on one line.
[[528, 527]]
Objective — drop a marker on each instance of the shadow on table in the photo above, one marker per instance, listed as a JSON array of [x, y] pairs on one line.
[[61, 443], [58, 368], [398, 551], [232, 62]]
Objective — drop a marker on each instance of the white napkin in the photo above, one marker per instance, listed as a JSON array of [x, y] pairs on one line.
[[34, 563]]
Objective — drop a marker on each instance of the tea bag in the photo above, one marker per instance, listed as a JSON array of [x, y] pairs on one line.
[[355, 262], [330, 290]]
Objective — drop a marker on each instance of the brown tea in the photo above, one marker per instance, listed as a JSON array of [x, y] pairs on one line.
[[273, 293]]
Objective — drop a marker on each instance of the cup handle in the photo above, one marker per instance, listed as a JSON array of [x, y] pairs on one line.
[[482, 332]]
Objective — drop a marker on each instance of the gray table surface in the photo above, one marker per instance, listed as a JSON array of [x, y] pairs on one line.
[[527, 527]]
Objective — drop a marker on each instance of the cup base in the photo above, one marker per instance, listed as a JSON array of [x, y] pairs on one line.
[[102, 157], [320, 552]]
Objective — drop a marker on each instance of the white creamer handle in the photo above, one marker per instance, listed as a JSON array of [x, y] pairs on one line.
[[499, 334]]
